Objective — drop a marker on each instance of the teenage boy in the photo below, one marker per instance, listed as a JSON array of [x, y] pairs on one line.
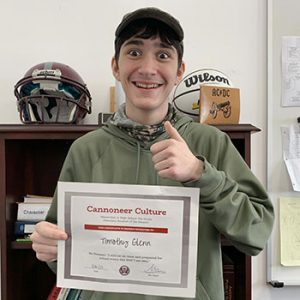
[[148, 142]]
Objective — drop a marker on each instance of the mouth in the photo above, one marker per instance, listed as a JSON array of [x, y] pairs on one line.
[[146, 86]]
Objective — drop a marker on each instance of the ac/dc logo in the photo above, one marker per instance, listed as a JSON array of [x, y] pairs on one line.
[[124, 270]]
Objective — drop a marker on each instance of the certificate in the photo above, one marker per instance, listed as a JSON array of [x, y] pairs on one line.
[[128, 238]]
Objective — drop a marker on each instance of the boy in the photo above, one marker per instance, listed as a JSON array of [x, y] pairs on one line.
[[148, 142]]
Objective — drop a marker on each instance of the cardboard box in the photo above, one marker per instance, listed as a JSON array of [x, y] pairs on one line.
[[219, 105]]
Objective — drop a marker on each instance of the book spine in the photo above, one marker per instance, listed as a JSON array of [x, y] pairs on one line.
[[37, 199], [54, 293], [63, 294], [24, 227], [32, 211], [73, 294], [229, 282]]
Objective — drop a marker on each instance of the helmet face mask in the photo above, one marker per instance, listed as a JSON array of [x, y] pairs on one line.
[[47, 109], [52, 93]]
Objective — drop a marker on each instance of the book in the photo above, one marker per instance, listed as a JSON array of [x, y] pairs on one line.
[[63, 294], [32, 211], [23, 228], [228, 277], [73, 294], [24, 239], [37, 199], [54, 293]]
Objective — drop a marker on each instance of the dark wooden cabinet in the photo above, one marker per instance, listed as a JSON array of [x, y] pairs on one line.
[[241, 137], [31, 157]]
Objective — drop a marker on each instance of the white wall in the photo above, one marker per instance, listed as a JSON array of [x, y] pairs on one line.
[[228, 35]]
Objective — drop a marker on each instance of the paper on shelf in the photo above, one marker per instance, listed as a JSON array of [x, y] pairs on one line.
[[290, 71], [291, 153], [290, 231]]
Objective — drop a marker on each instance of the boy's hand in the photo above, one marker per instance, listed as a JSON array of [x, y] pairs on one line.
[[173, 159], [44, 240]]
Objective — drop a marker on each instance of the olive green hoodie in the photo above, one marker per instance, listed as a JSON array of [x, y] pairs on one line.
[[232, 201]]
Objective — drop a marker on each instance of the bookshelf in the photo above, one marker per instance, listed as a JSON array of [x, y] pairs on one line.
[[31, 157]]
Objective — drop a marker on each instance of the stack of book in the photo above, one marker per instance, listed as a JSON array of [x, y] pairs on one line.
[[31, 211], [228, 277], [60, 293]]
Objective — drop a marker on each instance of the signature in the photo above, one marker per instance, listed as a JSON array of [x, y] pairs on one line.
[[153, 269], [96, 267]]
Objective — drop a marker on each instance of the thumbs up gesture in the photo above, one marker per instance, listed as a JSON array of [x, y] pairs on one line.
[[173, 159]]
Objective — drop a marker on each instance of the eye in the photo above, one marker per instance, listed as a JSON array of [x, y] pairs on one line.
[[163, 55], [134, 53]]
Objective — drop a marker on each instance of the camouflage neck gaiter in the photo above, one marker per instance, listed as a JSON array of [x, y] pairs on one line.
[[143, 133]]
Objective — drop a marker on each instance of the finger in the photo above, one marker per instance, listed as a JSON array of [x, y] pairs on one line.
[[159, 154], [50, 231], [162, 165], [46, 257], [40, 248], [45, 252], [170, 173], [38, 239], [172, 132], [160, 146], [164, 144]]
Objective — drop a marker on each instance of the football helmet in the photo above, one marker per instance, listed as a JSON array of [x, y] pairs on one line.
[[52, 92]]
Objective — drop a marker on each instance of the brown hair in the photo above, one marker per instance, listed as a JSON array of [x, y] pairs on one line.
[[148, 28]]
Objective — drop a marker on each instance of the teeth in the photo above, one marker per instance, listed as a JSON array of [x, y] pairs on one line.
[[146, 86]]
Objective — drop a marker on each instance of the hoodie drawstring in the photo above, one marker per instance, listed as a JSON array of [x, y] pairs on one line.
[[137, 172]]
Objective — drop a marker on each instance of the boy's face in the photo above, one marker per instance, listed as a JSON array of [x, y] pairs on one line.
[[148, 70]]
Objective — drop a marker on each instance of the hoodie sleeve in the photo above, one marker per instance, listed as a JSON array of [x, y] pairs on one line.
[[232, 198], [67, 174], [77, 167]]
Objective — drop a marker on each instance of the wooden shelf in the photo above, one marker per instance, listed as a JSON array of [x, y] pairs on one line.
[[31, 157], [21, 245]]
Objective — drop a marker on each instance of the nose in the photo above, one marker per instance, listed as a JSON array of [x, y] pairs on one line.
[[148, 66]]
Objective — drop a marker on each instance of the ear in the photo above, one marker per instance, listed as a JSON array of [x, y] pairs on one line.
[[180, 72], [115, 68]]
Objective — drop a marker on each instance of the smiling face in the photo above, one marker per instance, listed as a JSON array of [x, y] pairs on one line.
[[148, 70]]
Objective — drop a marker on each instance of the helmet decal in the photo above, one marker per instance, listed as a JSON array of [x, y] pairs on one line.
[[45, 73]]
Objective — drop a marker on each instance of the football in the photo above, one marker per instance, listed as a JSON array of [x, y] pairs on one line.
[[187, 92]]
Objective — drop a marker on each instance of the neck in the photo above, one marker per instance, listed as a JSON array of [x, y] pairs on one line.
[[146, 117]]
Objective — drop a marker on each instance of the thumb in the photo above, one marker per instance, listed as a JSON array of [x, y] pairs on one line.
[[172, 132]]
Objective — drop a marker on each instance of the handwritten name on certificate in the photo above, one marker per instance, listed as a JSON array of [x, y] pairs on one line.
[[128, 238]]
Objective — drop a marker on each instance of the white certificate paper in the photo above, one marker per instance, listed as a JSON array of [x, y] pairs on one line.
[[128, 238]]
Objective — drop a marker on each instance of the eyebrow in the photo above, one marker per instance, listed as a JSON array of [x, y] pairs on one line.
[[140, 42]]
